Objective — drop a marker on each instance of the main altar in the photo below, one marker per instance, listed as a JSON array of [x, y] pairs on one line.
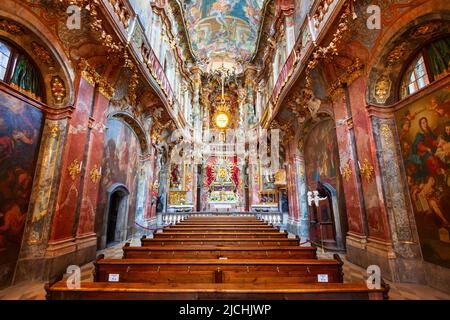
[[222, 181]]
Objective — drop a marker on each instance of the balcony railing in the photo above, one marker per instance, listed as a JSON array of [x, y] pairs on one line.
[[129, 25]]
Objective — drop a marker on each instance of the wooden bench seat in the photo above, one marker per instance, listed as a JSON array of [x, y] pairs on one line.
[[212, 252], [220, 223], [221, 242], [214, 291], [212, 218], [220, 235], [217, 270], [218, 229]]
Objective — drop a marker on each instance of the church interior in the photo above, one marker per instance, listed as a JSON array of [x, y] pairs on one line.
[[225, 149]]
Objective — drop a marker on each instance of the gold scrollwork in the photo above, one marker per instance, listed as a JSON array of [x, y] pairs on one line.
[[95, 174], [347, 172], [54, 131], [386, 133], [367, 170], [74, 169], [382, 89]]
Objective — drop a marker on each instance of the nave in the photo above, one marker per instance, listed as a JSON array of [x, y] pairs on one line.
[[327, 120]]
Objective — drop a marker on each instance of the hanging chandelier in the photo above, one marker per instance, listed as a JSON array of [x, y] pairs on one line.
[[222, 116]]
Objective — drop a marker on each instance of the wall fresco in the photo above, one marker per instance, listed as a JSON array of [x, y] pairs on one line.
[[424, 132], [20, 134], [120, 165]]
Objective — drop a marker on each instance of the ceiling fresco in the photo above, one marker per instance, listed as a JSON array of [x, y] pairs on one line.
[[223, 30]]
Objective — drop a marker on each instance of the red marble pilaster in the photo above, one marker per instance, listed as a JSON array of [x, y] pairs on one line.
[[375, 212], [350, 182], [150, 210], [69, 187], [91, 182], [294, 211]]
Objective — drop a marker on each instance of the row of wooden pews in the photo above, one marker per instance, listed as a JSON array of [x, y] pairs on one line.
[[217, 258]]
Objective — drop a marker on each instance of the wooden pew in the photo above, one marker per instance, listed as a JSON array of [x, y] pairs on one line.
[[221, 242], [217, 270], [220, 235], [221, 228], [218, 229], [213, 252], [224, 223], [214, 291], [214, 218]]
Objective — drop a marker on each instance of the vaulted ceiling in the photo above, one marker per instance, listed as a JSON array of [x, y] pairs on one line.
[[223, 31]]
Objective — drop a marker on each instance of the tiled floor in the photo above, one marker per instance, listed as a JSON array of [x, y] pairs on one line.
[[352, 273]]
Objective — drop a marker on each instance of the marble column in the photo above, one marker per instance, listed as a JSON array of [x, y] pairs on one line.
[[61, 245], [32, 263], [300, 178], [86, 238], [405, 262], [357, 232]]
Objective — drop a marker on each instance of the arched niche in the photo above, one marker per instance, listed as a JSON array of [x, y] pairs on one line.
[[398, 51], [115, 216], [136, 127]]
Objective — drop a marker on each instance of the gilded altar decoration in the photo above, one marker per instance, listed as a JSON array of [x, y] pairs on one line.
[[177, 197], [75, 169], [58, 89], [382, 89], [95, 174], [280, 178], [367, 170]]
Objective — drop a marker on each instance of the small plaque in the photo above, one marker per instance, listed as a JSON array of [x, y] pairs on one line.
[[113, 277], [322, 278]]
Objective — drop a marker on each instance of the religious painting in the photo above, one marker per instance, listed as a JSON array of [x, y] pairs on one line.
[[424, 133], [120, 164], [223, 27], [20, 135], [321, 154], [176, 181]]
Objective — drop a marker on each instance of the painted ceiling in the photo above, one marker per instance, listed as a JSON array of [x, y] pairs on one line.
[[223, 30]]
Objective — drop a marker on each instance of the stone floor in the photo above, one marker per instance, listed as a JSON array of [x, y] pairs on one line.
[[352, 273]]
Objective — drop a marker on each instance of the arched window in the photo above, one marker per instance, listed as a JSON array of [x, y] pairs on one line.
[[431, 64], [19, 71]]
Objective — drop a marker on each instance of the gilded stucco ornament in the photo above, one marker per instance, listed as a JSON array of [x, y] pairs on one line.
[[74, 169], [382, 89], [367, 170], [347, 172], [58, 90], [95, 174]]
